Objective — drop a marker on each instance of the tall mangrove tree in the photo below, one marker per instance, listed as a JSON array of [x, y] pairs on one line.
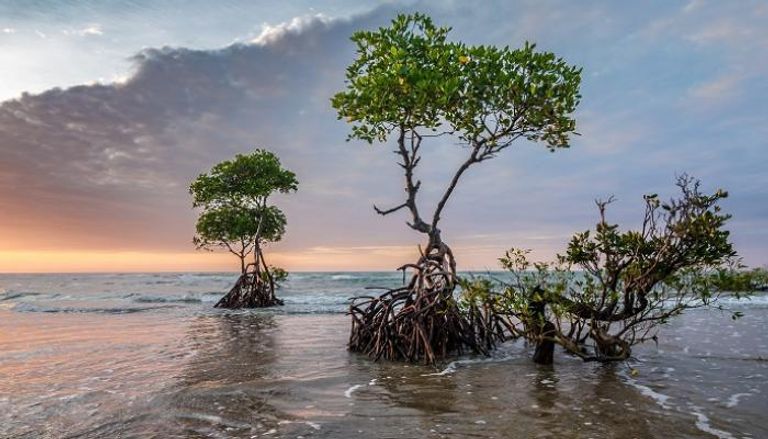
[[411, 86]]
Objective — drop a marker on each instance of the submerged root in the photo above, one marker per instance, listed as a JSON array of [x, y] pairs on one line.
[[250, 291], [422, 322]]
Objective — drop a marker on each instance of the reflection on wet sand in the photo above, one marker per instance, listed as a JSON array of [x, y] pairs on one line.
[[174, 374], [221, 389], [229, 348], [408, 388]]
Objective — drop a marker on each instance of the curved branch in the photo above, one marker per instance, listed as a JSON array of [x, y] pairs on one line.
[[454, 181]]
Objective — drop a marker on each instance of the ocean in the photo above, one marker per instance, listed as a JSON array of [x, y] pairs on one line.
[[147, 356]]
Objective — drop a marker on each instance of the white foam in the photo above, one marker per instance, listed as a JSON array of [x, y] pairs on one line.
[[660, 398], [702, 423], [733, 401], [348, 393], [757, 300], [453, 365], [352, 389]]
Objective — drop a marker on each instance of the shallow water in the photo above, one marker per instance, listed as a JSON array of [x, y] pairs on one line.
[[147, 356]]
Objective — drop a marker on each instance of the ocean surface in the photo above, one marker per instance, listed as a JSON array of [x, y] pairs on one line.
[[147, 356]]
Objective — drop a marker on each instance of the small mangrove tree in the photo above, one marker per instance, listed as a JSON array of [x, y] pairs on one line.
[[613, 289], [236, 217]]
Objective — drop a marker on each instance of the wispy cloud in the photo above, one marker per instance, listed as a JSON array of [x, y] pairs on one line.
[[717, 90], [105, 166], [90, 30], [610, 133]]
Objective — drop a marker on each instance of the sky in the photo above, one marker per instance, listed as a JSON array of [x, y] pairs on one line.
[[109, 109]]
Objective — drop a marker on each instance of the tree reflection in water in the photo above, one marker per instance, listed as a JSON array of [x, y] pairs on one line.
[[227, 385]]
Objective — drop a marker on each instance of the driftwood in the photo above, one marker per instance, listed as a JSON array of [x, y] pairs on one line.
[[251, 290]]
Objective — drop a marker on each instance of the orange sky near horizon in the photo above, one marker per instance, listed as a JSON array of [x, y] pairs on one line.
[[138, 261], [359, 258]]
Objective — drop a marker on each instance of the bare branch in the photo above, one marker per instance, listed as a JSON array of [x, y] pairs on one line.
[[388, 211]]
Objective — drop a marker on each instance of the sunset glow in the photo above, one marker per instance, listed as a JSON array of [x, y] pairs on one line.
[[107, 113]]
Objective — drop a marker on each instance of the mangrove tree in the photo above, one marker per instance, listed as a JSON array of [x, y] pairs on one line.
[[411, 86], [236, 217]]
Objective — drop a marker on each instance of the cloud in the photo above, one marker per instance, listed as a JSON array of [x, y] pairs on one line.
[[693, 5], [273, 34], [610, 134], [729, 39], [105, 167], [717, 90], [90, 30], [104, 161]]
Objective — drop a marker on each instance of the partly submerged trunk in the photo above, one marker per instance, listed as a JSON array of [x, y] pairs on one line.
[[255, 288], [545, 346], [609, 347], [421, 321], [542, 331], [267, 277]]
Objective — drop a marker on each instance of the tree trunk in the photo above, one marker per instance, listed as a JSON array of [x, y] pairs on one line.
[[545, 347], [542, 330], [270, 282], [609, 347]]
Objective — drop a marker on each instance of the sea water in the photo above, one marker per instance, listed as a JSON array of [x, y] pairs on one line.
[[147, 355]]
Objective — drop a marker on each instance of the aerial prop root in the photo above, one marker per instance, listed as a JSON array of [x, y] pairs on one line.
[[250, 291], [422, 321]]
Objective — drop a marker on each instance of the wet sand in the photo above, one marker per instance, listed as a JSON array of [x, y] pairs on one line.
[[186, 370]]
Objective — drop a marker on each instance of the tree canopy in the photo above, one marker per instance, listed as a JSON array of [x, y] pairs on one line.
[[409, 82], [227, 224], [612, 288], [246, 181], [233, 196], [238, 229], [409, 75]]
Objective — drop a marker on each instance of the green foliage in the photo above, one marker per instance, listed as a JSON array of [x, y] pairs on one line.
[[612, 288], [245, 181], [476, 290], [279, 275], [224, 225], [523, 90], [400, 78], [738, 281], [233, 197], [681, 235], [408, 83], [409, 75]]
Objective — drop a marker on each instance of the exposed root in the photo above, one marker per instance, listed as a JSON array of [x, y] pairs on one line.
[[250, 291], [422, 322]]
